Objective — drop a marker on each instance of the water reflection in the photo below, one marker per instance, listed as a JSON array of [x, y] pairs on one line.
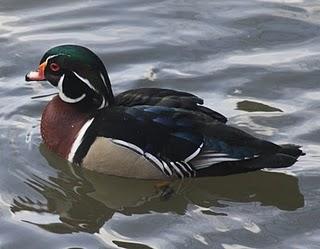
[[252, 106], [84, 200]]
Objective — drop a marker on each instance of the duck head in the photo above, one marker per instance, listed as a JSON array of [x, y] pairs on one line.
[[77, 73]]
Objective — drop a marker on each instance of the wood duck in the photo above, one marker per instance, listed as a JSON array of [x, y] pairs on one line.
[[147, 133]]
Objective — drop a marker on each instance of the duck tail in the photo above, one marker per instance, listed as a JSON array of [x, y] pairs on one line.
[[291, 150], [285, 157], [277, 160]]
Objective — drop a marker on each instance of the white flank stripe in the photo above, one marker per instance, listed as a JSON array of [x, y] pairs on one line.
[[219, 155], [86, 81], [128, 145], [201, 164], [223, 159], [194, 154], [208, 162], [213, 154], [165, 165], [154, 160], [177, 169], [185, 170], [78, 140], [188, 166], [64, 97]]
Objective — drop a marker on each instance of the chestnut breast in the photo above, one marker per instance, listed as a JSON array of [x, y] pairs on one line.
[[60, 124]]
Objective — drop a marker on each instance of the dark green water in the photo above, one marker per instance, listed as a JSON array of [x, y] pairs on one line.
[[257, 62]]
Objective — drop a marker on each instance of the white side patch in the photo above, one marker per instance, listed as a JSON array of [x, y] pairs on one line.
[[78, 140], [64, 97]]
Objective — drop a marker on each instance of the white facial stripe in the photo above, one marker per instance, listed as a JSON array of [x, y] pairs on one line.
[[60, 83], [104, 81], [105, 84], [103, 104], [64, 97], [51, 56], [79, 140], [86, 81]]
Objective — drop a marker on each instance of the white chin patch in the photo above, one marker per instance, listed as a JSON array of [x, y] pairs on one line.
[[70, 100], [64, 97]]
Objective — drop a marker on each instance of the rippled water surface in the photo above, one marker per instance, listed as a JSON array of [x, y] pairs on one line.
[[258, 62]]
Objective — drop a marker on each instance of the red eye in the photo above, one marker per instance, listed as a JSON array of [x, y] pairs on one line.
[[54, 67]]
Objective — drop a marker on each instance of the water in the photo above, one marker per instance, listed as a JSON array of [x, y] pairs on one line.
[[257, 62]]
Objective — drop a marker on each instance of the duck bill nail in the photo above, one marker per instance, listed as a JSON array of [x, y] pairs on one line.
[[34, 76], [37, 75]]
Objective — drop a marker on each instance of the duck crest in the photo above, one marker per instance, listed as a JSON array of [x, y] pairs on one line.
[[60, 125]]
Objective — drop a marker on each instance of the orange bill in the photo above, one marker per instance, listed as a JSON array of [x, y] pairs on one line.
[[37, 75]]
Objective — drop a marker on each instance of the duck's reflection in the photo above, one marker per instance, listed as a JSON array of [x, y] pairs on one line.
[[85, 200]]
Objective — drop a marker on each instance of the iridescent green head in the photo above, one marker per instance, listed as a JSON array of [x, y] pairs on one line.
[[78, 73]]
